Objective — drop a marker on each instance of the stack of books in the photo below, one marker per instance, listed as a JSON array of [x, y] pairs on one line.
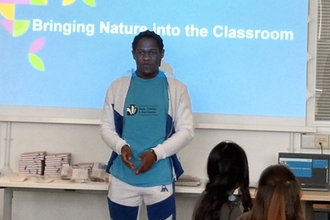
[[32, 164], [54, 162], [188, 180]]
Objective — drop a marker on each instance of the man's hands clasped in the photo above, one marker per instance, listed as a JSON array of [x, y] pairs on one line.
[[148, 159]]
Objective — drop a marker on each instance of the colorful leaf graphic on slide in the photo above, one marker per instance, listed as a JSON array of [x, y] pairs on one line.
[[35, 60], [7, 11], [39, 2], [90, 2], [37, 45], [20, 27], [87, 2], [8, 24], [67, 2], [16, 27]]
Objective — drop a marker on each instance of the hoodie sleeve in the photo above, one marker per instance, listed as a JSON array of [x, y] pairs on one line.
[[112, 118], [182, 121]]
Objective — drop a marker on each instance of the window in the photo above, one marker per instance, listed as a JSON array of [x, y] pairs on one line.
[[322, 79]]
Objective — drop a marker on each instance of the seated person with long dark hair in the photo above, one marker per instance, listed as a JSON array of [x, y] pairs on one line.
[[278, 196], [227, 170]]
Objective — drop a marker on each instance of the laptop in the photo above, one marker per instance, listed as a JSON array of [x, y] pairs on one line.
[[312, 170]]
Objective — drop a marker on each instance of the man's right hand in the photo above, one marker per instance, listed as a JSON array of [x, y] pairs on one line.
[[126, 156]]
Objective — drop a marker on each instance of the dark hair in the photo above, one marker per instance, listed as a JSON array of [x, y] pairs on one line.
[[148, 34], [227, 170], [278, 195]]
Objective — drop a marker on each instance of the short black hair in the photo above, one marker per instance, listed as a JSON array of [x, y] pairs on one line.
[[148, 34]]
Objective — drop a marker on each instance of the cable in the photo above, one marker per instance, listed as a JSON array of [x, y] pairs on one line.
[[321, 146]]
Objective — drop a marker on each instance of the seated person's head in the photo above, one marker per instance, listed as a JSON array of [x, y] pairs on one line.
[[227, 168], [278, 195]]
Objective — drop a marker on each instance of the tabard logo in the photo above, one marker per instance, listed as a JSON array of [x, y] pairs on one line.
[[132, 110]]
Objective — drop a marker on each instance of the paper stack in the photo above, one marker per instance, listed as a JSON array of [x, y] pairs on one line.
[[32, 164], [54, 163]]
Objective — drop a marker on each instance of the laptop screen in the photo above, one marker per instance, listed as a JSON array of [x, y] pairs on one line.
[[312, 170]]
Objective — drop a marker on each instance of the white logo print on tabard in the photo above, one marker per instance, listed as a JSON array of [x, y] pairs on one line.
[[132, 110]]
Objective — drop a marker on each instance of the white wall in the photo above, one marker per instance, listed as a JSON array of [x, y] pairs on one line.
[[85, 144]]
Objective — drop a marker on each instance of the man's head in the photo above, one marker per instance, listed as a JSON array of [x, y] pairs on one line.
[[150, 35], [148, 51]]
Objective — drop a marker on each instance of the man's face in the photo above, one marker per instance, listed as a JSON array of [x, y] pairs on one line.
[[147, 57]]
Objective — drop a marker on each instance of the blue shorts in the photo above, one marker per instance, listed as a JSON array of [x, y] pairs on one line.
[[125, 201]]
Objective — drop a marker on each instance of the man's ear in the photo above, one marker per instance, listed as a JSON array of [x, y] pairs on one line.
[[162, 53], [133, 54]]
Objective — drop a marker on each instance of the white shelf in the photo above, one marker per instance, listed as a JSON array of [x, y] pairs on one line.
[[190, 189], [59, 184], [31, 183]]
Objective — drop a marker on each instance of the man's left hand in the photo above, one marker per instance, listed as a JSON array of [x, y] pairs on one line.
[[148, 159]]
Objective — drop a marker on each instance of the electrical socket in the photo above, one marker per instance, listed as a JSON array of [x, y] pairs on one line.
[[322, 141], [308, 141]]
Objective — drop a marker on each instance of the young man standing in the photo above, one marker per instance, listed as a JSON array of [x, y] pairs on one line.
[[146, 120]]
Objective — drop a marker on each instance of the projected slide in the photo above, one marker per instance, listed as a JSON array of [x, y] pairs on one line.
[[236, 57]]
